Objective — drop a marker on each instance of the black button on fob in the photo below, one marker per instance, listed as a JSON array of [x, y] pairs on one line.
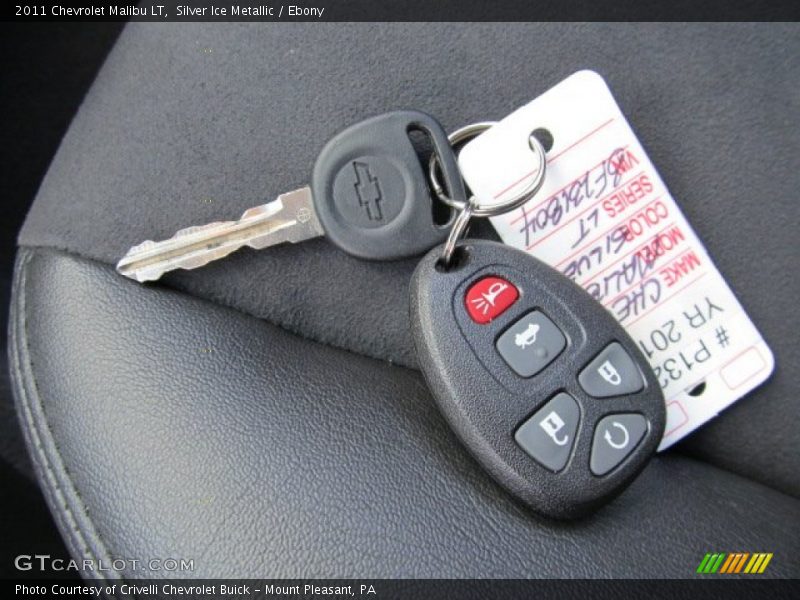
[[537, 379]]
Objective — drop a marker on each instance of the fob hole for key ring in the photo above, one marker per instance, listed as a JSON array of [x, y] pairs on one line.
[[422, 143], [457, 258]]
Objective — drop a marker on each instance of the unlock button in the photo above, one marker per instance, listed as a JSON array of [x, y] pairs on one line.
[[548, 436], [611, 373]]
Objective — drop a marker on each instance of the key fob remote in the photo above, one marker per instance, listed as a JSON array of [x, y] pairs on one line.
[[538, 380]]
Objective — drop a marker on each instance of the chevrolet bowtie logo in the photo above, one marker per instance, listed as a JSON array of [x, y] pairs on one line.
[[368, 190]]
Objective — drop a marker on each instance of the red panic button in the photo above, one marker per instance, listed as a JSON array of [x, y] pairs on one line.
[[488, 298]]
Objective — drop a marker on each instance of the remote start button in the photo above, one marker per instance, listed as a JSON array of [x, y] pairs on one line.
[[488, 298], [614, 439]]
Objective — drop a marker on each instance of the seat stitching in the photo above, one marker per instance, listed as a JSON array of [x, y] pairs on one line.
[[52, 467], [281, 326], [30, 250]]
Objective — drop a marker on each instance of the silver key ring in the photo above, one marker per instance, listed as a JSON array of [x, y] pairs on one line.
[[459, 136], [458, 229], [466, 133], [471, 208]]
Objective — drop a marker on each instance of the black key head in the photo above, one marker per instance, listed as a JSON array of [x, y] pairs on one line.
[[371, 193]]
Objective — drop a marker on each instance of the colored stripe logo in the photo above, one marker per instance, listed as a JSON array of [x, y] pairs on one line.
[[734, 562]]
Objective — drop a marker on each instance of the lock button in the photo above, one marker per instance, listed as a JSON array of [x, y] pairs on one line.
[[611, 373]]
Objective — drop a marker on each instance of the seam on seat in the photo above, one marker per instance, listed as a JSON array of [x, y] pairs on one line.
[[51, 468], [81, 537], [58, 249], [29, 250]]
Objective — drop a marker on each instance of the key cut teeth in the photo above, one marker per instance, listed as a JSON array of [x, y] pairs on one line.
[[149, 260], [152, 244], [290, 218], [196, 229]]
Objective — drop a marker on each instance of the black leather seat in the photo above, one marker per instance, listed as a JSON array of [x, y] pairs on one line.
[[264, 414]]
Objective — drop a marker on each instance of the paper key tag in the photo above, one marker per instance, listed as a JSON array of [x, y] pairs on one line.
[[605, 219]]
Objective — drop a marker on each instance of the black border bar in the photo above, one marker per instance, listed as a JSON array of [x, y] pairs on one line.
[[401, 10], [709, 588]]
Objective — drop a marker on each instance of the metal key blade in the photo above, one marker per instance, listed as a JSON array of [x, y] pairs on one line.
[[289, 218]]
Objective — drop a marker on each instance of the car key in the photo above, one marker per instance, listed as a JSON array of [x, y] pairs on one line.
[[539, 381], [369, 195]]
